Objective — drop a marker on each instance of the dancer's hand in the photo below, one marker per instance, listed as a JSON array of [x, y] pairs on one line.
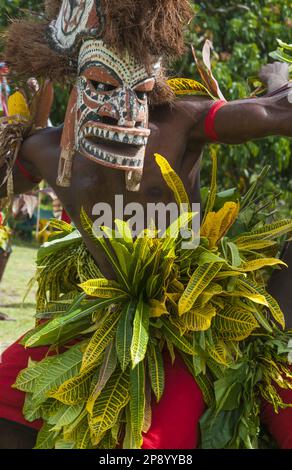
[[275, 75]]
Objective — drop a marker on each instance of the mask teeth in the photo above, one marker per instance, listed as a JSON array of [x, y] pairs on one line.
[[120, 137], [119, 160]]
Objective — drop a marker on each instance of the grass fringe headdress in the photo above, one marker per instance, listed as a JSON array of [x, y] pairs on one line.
[[145, 28]]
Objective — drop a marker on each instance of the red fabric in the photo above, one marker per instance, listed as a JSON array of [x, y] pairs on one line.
[[65, 217], [12, 361], [279, 424], [26, 173], [175, 419], [210, 121]]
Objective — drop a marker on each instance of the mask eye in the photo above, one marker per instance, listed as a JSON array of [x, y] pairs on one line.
[[141, 95], [100, 86]]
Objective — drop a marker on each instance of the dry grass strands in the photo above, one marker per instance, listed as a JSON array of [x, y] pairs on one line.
[[162, 93], [146, 27], [28, 54], [52, 8]]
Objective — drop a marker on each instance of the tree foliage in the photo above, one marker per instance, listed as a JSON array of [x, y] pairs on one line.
[[243, 35]]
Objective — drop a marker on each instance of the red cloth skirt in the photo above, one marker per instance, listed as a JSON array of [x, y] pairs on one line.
[[175, 418]]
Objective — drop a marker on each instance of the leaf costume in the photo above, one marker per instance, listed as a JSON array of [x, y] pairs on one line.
[[208, 306]]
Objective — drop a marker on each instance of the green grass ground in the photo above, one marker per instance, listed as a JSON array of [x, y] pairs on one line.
[[20, 269]]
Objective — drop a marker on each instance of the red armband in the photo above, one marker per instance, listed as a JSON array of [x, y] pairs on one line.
[[26, 173], [210, 121]]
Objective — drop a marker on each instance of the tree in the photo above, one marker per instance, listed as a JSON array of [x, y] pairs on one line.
[[243, 35]]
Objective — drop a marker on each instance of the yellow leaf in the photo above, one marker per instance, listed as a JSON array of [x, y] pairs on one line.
[[199, 319], [102, 288], [247, 294], [74, 390], [268, 232], [217, 224], [235, 324], [17, 106], [108, 405], [185, 86], [260, 263], [255, 244], [199, 281], [100, 340], [271, 303], [219, 353], [173, 181], [157, 308]]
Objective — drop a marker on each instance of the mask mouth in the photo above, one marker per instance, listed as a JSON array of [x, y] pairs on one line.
[[114, 146]]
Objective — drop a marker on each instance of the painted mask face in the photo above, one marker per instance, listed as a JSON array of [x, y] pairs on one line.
[[112, 107]]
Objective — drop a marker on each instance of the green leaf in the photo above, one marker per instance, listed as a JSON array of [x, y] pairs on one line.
[[102, 288], [140, 333], [173, 335], [54, 246], [137, 402], [156, 371], [46, 438], [103, 244], [234, 323], [30, 411], [113, 398], [201, 278], [235, 255], [124, 334], [100, 340], [53, 373], [64, 445], [65, 415], [75, 390], [107, 369], [66, 327], [217, 430], [27, 378], [138, 260]]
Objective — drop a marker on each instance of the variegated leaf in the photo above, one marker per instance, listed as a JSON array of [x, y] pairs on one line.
[[197, 284], [140, 333], [75, 390], [110, 402], [156, 371], [173, 335], [235, 324], [199, 319], [173, 182], [107, 369], [137, 402], [99, 341], [124, 334], [102, 288]]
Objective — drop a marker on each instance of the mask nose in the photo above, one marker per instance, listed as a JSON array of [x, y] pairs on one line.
[[109, 113], [128, 109]]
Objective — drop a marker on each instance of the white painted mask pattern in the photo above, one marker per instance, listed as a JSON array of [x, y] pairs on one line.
[[112, 107]]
